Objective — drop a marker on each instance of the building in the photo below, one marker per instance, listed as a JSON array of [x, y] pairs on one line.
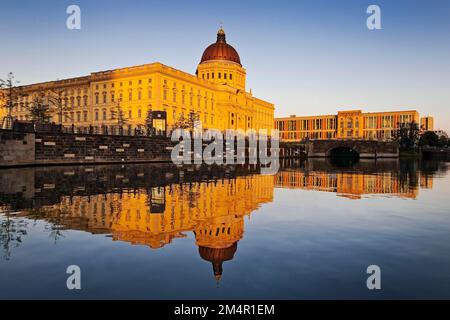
[[441, 134], [427, 124], [352, 124], [215, 97]]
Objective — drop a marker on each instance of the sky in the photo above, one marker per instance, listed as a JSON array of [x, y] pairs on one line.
[[307, 57]]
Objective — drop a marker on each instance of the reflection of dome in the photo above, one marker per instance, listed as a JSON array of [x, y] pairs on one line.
[[217, 256], [221, 50]]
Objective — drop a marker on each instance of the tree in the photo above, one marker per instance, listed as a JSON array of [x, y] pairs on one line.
[[39, 110], [120, 116], [9, 96], [55, 102], [443, 141], [429, 138], [149, 121], [183, 123], [407, 135]]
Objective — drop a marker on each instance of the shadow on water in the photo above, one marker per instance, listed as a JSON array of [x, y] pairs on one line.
[[344, 157]]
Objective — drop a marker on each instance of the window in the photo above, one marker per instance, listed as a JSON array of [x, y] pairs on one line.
[[207, 76], [96, 98], [220, 75], [85, 99], [139, 113], [113, 97], [85, 116], [212, 75], [130, 95], [174, 96], [225, 76], [78, 116], [104, 97], [130, 114], [231, 76], [140, 81], [165, 95], [139, 95], [104, 114]]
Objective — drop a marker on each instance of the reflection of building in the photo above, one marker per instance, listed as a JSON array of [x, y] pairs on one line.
[[345, 125], [216, 96], [350, 185], [214, 211]]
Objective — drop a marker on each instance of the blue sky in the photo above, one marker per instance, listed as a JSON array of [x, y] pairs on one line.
[[307, 57]]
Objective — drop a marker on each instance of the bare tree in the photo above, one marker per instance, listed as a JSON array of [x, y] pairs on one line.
[[118, 114], [55, 101], [39, 110], [184, 123], [9, 96]]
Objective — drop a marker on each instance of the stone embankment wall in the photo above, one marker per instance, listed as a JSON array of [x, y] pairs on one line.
[[38, 148]]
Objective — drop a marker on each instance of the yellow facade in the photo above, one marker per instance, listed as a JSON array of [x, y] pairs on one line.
[[352, 124], [216, 96], [427, 124], [350, 185]]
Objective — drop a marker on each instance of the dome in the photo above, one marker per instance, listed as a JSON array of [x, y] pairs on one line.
[[217, 256], [221, 50]]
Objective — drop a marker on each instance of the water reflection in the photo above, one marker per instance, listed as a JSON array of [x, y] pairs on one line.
[[365, 178], [145, 205], [152, 205]]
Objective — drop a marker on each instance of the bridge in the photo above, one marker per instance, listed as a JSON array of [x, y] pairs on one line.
[[357, 148]]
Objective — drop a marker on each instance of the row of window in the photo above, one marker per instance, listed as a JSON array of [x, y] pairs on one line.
[[306, 124], [219, 75], [130, 83]]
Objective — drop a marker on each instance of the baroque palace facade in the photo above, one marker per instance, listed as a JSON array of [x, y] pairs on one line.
[[215, 97], [352, 124]]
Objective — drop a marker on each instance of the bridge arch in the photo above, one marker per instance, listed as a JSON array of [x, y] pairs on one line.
[[364, 148], [343, 151]]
